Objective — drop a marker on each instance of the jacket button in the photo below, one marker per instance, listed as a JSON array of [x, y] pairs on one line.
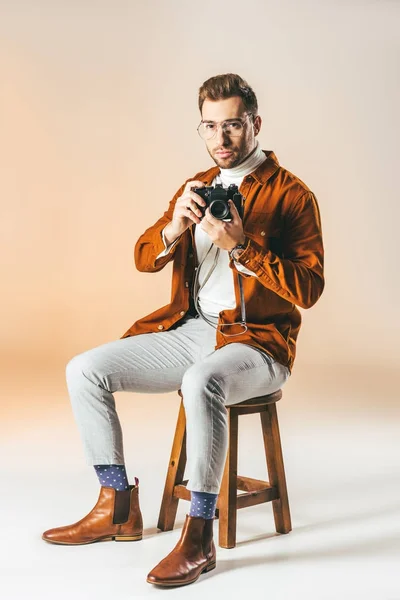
[[186, 284], [161, 327], [262, 232], [190, 255], [246, 261], [182, 312]]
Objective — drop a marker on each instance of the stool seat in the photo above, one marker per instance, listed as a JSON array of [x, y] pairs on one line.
[[257, 400], [229, 501]]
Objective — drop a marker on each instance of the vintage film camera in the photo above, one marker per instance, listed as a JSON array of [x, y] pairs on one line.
[[217, 199]]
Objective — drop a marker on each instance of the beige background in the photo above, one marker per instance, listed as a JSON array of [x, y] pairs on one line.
[[98, 117], [98, 130]]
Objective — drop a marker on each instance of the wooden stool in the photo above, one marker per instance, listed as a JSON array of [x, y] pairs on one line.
[[256, 491]]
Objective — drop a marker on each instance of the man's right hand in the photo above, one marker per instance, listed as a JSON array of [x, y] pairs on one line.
[[186, 212]]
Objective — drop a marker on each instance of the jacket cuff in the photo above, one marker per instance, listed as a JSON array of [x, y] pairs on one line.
[[244, 270], [166, 249], [249, 257]]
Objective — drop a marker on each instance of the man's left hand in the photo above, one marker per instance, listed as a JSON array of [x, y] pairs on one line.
[[224, 234]]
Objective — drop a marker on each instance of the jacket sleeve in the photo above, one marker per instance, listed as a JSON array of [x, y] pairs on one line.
[[299, 275], [244, 270], [150, 244], [167, 248]]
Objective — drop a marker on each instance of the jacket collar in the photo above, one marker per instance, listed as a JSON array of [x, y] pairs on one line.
[[261, 174]]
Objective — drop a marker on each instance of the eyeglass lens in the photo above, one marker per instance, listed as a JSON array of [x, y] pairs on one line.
[[207, 130]]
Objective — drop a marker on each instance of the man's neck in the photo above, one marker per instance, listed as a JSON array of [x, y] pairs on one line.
[[252, 152], [247, 166]]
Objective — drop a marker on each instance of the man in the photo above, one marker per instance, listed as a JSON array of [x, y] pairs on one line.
[[228, 334]]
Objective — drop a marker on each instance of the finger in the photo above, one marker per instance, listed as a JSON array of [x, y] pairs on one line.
[[189, 213], [198, 199], [193, 206], [188, 208], [234, 211], [210, 217], [194, 183], [205, 222], [188, 200], [192, 199], [205, 225], [233, 207]]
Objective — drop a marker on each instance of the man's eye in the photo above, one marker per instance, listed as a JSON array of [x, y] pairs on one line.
[[235, 124], [209, 125]]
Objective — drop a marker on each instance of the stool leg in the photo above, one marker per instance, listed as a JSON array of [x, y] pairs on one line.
[[176, 469], [276, 471], [228, 493]]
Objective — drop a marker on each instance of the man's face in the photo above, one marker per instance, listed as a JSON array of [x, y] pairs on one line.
[[229, 151]]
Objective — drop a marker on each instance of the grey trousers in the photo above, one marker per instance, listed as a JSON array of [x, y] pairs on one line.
[[181, 357]]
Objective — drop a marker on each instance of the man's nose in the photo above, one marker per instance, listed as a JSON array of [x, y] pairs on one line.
[[221, 136]]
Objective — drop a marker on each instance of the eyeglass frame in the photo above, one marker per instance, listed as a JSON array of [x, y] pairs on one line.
[[220, 124]]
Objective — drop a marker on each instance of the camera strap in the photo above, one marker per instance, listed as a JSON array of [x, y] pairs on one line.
[[197, 289]]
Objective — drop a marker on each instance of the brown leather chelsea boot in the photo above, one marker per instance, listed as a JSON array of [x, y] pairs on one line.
[[116, 516], [193, 555]]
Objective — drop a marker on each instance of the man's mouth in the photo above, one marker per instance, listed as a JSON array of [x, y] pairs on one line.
[[224, 153]]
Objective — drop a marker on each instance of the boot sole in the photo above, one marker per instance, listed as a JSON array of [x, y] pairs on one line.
[[116, 538], [177, 583]]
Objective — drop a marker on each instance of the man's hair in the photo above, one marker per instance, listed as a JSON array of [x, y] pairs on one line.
[[225, 86]]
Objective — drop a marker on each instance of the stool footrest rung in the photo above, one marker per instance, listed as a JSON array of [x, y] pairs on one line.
[[181, 492], [253, 498], [259, 497], [257, 492], [248, 484]]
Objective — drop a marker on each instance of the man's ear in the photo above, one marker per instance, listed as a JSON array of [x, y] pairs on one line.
[[257, 124]]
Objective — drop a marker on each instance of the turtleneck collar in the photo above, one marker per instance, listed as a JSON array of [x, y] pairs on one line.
[[249, 165]]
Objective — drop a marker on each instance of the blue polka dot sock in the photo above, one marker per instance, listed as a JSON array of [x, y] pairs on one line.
[[202, 504], [112, 476]]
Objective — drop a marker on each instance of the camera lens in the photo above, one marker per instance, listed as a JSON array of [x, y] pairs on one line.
[[219, 209]]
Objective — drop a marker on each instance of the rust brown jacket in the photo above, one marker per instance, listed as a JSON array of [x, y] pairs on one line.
[[281, 218]]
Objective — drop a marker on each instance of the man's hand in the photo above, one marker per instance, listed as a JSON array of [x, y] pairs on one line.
[[186, 209], [224, 234], [186, 212]]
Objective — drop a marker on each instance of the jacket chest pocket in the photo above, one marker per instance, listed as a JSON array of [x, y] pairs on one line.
[[263, 228]]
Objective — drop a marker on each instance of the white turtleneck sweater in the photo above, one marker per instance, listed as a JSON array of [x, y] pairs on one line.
[[219, 292]]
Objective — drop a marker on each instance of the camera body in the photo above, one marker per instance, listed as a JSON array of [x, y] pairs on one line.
[[216, 198]]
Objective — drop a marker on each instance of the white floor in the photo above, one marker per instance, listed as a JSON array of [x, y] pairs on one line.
[[342, 467]]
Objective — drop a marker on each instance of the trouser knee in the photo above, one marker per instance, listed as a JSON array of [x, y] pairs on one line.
[[200, 387], [83, 366]]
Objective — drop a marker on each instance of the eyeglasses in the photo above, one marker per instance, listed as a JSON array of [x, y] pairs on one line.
[[231, 127]]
